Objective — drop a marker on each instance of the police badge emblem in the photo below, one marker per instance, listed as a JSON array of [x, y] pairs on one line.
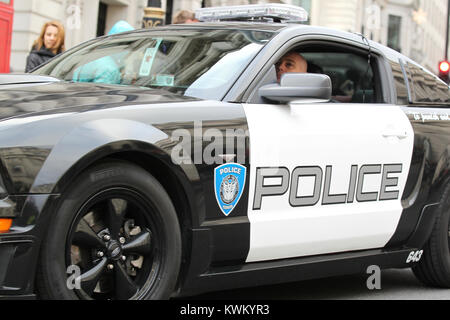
[[229, 183]]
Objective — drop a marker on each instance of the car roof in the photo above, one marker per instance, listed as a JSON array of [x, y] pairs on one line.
[[252, 26], [234, 25], [273, 27]]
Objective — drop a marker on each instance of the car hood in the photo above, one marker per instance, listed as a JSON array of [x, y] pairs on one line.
[[40, 97], [20, 79]]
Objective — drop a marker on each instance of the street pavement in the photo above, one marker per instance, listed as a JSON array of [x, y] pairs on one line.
[[395, 285]]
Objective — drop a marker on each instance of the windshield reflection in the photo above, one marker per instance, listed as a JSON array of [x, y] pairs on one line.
[[196, 63]]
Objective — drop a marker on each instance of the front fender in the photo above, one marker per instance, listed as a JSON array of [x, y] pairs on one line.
[[108, 135]]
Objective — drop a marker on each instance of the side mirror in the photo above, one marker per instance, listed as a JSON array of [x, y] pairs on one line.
[[299, 87]]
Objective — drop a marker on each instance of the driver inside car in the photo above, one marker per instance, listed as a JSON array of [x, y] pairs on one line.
[[291, 62]]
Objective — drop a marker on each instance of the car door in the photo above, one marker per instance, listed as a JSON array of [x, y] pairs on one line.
[[325, 177]]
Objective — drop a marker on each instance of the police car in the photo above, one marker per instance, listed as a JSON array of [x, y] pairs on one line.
[[171, 162]]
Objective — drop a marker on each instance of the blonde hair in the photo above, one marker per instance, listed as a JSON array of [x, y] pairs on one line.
[[183, 16], [59, 46]]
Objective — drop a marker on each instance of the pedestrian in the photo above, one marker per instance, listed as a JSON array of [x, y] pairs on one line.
[[120, 27], [184, 16], [49, 44], [105, 69]]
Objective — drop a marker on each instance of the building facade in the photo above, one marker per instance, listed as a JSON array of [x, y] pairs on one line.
[[416, 28], [83, 20]]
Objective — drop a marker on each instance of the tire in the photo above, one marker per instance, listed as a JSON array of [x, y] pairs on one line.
[[434, 267], [115, 235]]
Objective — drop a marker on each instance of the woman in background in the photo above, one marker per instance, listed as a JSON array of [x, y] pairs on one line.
[[49, 44]]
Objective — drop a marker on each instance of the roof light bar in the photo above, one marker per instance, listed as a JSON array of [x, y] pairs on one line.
[[253, 11]]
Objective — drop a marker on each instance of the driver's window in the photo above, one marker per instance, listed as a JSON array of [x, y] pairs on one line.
[[351, 76], [353, 79]]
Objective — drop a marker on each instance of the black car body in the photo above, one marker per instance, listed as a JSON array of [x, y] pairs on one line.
[[271, 186]]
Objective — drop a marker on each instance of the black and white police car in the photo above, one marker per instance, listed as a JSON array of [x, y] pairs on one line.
[[170, 162]]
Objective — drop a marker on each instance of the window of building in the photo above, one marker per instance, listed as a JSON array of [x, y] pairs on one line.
[[394, 31], [169, 11], [101, 23]]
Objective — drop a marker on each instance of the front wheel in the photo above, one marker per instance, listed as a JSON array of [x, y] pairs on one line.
[[115, 236]]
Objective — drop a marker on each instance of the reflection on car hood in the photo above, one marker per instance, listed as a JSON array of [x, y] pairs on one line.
[[14, 79], [58, 96]]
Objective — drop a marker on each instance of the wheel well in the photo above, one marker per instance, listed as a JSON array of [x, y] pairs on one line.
[[164, 176]]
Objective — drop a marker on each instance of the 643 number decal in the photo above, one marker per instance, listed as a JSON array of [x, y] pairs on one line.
[[414, 256]]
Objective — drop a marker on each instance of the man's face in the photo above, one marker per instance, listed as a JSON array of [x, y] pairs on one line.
[[291, 62]]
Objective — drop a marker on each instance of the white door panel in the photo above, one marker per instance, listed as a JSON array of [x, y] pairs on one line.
[[345, 142]]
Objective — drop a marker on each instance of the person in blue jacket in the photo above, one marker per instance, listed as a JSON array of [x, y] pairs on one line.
[[103, 70]]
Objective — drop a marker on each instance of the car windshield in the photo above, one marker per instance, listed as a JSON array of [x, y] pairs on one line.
[[198, 63]]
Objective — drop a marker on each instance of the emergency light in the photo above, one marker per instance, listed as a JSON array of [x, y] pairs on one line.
[[253, 12]]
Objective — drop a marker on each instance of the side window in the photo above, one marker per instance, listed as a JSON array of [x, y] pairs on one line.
[[351, 77], [400, 84], [427, 87]]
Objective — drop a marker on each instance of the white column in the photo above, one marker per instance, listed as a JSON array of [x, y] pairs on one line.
[[338, 14]]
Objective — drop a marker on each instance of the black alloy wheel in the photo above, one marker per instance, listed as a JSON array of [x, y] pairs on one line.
[[114, 245], [115, 236]]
